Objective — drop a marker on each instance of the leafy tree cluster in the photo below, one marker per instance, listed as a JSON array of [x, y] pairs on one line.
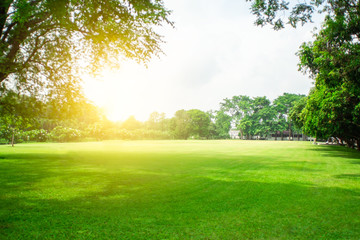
[[22, 113], [79, 119], [45, 44], [185, 124], [331, 59], [192, 123], [24, 118], [257, 116]]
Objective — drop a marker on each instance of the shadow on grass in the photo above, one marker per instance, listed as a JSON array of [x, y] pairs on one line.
[[188, 209], [57, 196], [338, 151], [348, 176]]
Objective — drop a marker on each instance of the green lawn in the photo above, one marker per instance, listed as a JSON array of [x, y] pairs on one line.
[[179, 190]]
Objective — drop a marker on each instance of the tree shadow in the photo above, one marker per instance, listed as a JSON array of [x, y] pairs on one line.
[[59, 196], [337, 151], [348, 176], [189, 210]]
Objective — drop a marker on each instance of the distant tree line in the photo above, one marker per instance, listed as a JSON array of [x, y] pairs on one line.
[[258, 116], [24, 118]]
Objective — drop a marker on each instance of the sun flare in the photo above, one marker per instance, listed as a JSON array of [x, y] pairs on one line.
[[122, 92]]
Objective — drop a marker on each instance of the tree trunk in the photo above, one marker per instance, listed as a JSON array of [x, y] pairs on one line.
[[289, 131], [282, 135], [358, 144], [12, 138], [242, 134], [350, 143], [298, 136]]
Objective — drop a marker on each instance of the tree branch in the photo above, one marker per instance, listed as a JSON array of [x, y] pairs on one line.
[[4, 8], [8, 29]]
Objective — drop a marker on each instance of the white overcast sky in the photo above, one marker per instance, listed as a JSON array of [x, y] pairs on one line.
[[214, 52]]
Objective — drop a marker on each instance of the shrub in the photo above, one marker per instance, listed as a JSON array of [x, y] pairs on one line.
[[65, 134], [37, 135]]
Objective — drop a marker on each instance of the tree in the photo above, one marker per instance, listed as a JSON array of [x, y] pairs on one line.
[[180, 124], [131, 123], [296, 114], [262, 118], [238, 107], [157, 121], [275, 12], [17, 112], [199, 123], [44, 43], [20, 112], [283, 105], [222, 124], [332, 59], [213, 131]]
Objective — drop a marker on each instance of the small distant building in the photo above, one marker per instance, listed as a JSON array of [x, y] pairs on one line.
[[234, 134]]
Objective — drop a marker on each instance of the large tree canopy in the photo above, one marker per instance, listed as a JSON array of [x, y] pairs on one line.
[[280, 12], [44, 43], [333, 108], [332, 59]]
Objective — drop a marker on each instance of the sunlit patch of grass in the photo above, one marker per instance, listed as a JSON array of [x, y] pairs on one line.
[[179, 190]]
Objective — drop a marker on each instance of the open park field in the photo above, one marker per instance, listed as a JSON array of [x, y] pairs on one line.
[[179, 190]]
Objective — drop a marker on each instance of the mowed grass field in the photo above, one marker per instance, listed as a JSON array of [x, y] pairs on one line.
[[179, 190]]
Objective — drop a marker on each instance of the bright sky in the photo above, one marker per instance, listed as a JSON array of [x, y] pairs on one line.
[[214, 52]]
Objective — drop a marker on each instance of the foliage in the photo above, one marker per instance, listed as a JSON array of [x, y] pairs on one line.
[[192, 123], [296, 113], [142, 134], [255, 116], [81, 120], [76, 108], [17, 112], [157, 121], [275, 12], [36, 135], [131, 123], [180, 125], [263, 117], [65, 134], [45, 44], [283, 105], [237, 108], [199, 123], [222, 124], [332, 59], [20, 113]]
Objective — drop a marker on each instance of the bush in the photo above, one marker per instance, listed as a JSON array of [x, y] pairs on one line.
[[65, 134], [140, 134], [37, 135]]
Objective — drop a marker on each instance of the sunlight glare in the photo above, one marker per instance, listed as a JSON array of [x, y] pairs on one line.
[[122, 92]]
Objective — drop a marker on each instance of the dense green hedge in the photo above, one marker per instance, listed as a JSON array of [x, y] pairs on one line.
[[67, 134]]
